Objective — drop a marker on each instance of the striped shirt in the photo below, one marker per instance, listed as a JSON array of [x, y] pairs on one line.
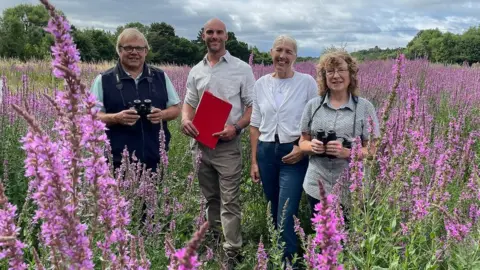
[[341, 121]]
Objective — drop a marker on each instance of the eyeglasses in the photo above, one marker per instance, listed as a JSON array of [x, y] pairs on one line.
[[130, 49], [331, 73]]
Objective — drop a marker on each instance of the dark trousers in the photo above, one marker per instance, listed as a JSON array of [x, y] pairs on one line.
[[280, 182]]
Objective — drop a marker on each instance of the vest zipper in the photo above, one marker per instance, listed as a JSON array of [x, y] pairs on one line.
[[141, 126]]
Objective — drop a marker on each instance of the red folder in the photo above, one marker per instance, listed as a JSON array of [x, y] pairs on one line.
[[211, 115]]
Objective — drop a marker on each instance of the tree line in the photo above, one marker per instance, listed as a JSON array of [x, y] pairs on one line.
[[447, 48], [23, 37]]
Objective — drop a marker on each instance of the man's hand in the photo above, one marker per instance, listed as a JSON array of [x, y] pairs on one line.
[[127, 117], [254, 173], [335, 148], [155, 116], [293, 157], [227, 133], [188, 128]]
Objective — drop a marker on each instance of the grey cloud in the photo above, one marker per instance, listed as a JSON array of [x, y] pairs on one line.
[[315, 24]]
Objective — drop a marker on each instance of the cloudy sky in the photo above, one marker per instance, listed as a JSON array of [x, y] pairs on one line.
[[356, 24]]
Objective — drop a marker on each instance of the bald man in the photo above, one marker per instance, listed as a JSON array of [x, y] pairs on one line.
[[220, 171]]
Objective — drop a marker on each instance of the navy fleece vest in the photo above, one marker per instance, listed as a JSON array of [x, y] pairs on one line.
[[119, 90]]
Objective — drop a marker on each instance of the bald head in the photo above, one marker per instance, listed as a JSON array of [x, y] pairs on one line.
[[215, 24], [215, 35]]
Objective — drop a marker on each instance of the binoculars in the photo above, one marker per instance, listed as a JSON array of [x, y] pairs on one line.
[[328, 136], [142, 107]]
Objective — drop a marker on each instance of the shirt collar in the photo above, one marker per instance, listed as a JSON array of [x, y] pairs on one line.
[[225, 57], [350, 104], [138, 77]]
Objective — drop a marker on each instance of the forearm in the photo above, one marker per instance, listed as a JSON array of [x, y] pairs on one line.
[[245, 120], [188, 112], [171, 112], [108, 118], [254, 135], [305, 144]]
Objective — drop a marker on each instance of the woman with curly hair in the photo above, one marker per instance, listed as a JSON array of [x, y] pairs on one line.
[[332, 120]]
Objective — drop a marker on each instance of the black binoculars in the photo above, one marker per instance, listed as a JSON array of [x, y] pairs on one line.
[[331, 135], [142, 107]]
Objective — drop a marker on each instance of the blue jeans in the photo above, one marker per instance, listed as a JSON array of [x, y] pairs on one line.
[[280, 182]]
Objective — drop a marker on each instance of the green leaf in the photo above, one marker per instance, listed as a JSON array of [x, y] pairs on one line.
[[394, 224]]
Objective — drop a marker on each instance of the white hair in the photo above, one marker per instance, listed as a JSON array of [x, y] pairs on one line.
[[129, 34], [285, 38]]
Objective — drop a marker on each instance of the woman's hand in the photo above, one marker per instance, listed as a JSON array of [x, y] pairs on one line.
[[293, 157], [254, 173], [317, 147], [335, 148]]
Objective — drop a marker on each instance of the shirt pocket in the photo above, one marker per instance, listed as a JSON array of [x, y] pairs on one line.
[[225, 88]]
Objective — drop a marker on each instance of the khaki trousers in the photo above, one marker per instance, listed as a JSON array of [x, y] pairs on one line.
[[219, 178]]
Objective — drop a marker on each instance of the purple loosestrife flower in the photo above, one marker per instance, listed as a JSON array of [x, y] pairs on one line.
[[262, 257], [356, 168], [55, 169], [51, 189], [10, 249], [187, 258], [329, 234], [457, 230], [163, 152]]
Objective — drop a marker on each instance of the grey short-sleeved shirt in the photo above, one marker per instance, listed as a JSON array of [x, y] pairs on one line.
[[341, 120]]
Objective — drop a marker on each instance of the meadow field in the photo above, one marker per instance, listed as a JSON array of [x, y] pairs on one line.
[[414, 205]]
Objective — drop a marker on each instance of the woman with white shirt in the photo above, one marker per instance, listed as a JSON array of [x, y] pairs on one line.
[[277, 161]]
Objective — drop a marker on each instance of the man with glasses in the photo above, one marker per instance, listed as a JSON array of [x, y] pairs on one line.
[[138, 100]]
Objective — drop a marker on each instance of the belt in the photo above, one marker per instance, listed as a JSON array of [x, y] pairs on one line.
[[277, 140]]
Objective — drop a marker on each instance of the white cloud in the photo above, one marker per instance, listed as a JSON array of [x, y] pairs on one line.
[[315, 24]]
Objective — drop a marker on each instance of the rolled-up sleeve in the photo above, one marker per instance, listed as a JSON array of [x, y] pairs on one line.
[[191, 97], [248, 88], [256, 117]]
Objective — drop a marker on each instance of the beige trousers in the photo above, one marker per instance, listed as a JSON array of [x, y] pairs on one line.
[[219, 178]]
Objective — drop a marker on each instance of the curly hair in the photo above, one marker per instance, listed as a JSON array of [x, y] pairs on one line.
[[331, 59]]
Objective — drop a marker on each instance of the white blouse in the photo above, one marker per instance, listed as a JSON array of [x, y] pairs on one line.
[[278, 105]]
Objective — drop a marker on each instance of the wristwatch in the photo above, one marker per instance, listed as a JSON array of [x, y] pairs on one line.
[[238, 129]]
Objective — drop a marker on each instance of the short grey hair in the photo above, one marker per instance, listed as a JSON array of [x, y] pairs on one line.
[[128, 34], [286, 38]]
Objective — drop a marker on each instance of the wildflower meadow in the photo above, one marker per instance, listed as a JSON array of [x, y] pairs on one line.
[[415, 204]]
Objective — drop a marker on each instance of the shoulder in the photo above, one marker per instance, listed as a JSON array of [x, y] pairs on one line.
[[156, 69], [264, 79], [314, 102], [239, 63], [196, 68], [365, 103], [107, 72], [304, 78]]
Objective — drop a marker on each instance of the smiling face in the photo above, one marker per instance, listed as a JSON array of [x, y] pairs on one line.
[[338, 76], [132, 51], [215, 35], [283, 56]]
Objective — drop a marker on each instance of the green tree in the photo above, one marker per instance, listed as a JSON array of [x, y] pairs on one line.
[[421, 44], [141, 27], [23, 34], [237, 48]]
